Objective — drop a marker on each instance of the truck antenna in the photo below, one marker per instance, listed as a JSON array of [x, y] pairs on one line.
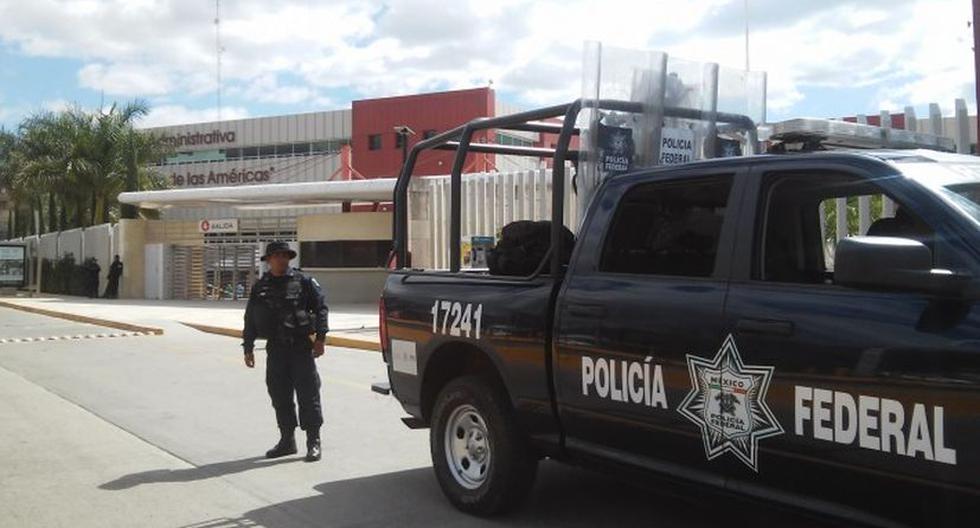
[[218, 50]]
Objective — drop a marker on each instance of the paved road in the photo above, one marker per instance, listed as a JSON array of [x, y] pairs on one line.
[[166, 431], [15, 324]]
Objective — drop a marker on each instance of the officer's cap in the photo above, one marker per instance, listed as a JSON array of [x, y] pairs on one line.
[[278, 247]]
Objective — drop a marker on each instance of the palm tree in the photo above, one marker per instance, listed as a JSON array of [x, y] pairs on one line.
[[78, 162], [8, 142]]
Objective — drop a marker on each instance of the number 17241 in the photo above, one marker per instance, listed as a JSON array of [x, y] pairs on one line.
[[457, 319]]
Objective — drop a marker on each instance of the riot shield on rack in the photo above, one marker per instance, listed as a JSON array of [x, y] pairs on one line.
[[687, 110]]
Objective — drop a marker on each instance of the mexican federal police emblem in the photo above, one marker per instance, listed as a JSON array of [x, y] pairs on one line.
[[728, 402]]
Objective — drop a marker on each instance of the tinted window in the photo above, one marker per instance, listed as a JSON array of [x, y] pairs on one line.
[[301, 148], [374, 142], [807, 213], [344, 254], [670, 228]]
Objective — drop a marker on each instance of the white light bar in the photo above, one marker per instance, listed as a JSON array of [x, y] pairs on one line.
[[832, 133]]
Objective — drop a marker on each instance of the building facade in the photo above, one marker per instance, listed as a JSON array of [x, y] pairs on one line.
[[213, 251]]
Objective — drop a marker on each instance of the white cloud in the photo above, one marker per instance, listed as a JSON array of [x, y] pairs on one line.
[[166, 115], [914, 51], [57, 105], [127, 79], [267, 89]]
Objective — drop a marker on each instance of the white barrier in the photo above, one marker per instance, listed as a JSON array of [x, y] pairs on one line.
[[490, 200]]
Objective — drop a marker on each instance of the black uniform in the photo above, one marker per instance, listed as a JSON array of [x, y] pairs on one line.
[[285, 310], [115, 271]]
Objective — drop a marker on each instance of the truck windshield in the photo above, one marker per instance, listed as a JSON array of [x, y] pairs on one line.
[[966, 196], [956, 180]]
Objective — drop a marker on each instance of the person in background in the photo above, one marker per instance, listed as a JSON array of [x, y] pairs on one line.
[[93, 278], [115, 272]]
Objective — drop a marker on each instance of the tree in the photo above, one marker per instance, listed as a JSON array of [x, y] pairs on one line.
[[73, 164]]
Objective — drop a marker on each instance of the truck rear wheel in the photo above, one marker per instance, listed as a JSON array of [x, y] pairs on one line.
[[481, 459]]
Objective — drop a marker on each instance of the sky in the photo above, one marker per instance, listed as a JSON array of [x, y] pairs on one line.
[[823, 58]]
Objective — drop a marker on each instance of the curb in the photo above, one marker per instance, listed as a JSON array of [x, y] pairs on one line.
[[332, 340], [84, 319]]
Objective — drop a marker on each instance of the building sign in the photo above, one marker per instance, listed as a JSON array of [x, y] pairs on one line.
[[214, 137], [219, 225], [676, 146], [13, 265], [212, 179]]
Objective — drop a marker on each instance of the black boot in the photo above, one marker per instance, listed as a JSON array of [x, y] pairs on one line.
[[313, 452], [286, 446]]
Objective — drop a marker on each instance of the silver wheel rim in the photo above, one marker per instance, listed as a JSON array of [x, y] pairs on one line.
[[467, 447]]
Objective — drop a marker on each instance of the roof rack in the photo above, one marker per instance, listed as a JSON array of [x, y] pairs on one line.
[[459, 140], [809, 134]]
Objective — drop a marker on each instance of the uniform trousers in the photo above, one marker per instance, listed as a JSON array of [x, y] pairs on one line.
[[291, 368]]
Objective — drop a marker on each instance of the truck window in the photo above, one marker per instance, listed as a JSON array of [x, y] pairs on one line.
[[800, 224], [668, 228]]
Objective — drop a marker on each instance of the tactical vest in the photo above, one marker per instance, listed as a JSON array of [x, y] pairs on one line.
[[281, 309]]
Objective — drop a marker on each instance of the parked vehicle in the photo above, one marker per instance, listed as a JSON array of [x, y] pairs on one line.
[[706, 327]]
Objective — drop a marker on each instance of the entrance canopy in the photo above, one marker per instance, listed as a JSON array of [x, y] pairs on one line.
[[270, 195]]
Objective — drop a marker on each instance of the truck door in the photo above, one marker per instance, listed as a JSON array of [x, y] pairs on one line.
[[646, 287], [874, 392]]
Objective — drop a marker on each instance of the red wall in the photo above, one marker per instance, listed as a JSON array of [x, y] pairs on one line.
[[898, 120], [436, 111]]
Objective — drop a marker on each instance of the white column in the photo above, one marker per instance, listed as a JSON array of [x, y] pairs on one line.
[[841, 204], [864, 214], [911, 124], [962, 128], [935, 120]]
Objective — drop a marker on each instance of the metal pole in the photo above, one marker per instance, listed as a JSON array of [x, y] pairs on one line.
[[747, 34], [404, 136], [976, 60], [37, 252]]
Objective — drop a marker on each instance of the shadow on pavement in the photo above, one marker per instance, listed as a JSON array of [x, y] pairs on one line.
[[194, 473], [563, 496]]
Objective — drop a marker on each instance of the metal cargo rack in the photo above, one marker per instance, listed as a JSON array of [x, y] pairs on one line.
[[459, 139]]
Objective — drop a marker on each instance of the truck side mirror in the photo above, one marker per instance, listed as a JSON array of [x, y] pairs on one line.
[[895, 264]]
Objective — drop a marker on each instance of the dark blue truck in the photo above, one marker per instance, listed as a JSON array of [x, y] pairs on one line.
[[703, 328]]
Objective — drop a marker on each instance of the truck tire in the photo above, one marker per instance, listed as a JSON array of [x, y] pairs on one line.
[[481, 459]]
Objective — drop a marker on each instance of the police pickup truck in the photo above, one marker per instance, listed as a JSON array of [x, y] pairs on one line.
[[707, 326]]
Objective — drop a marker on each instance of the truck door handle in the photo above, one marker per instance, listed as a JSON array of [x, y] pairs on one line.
[[587, 310], [764, 326]]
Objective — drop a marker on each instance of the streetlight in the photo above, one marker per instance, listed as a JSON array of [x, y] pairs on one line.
[[403, 131]]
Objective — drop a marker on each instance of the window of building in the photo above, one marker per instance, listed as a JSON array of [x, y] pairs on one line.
[[399, 140], [507, 139], [668, 228], [285, 150], [321, 147], [344, 254], [430, 133], [374, 142]]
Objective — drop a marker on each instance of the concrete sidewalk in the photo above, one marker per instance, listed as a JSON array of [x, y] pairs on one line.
[[353, 326], [61, 467]]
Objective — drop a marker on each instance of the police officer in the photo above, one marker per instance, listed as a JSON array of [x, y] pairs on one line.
[[285, 307]]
